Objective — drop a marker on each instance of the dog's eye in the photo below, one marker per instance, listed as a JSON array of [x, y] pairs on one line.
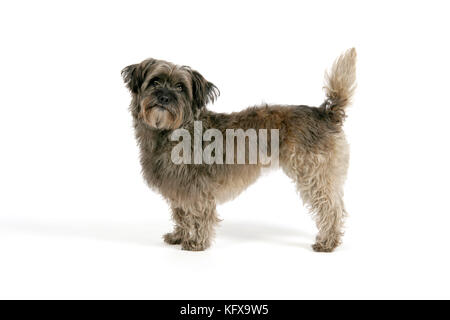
[[155, 82], [179, 87]]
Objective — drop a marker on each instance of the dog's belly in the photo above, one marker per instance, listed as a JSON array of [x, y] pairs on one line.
[[233, 184]]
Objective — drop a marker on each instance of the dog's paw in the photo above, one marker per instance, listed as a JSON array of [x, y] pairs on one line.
[[326, 246], [327, 243], [172, 238], [193, 246], [320, 247]]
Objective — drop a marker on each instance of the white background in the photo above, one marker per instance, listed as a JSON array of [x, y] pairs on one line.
[[78, 221]]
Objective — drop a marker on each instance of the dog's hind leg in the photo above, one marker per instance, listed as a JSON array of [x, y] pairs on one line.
[[195, 224], [319, 178], [322, 189], [326, 203]]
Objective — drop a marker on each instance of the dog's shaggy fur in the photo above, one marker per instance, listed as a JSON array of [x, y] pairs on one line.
[[313, 149]]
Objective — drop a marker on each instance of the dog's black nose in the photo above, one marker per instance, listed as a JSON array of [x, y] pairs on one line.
[[163, 99]]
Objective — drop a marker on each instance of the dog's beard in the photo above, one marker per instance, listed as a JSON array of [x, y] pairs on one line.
[[159, 117]]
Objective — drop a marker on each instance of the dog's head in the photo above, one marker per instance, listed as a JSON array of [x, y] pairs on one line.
[[166, 95]]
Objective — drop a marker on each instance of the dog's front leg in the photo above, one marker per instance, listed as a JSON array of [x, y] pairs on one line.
[[194, 226], [175, 236]]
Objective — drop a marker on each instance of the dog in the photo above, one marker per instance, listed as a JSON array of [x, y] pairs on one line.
[[312, 147]]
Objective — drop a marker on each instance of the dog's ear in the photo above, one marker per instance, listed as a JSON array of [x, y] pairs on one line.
[[203, 91], [134, 75]]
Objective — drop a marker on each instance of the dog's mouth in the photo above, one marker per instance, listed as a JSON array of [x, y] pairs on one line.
[[161, 108], [148, 107], [160, 117]]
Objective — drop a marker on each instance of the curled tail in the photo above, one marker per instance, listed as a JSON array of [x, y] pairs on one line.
[[340, 84]]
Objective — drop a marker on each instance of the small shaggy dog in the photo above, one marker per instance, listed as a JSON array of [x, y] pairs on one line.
[[312, 147]]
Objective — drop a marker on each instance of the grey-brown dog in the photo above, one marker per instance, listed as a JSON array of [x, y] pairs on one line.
[[312, 147]]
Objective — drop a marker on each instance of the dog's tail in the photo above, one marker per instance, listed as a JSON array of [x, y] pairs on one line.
[[340, 84]]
